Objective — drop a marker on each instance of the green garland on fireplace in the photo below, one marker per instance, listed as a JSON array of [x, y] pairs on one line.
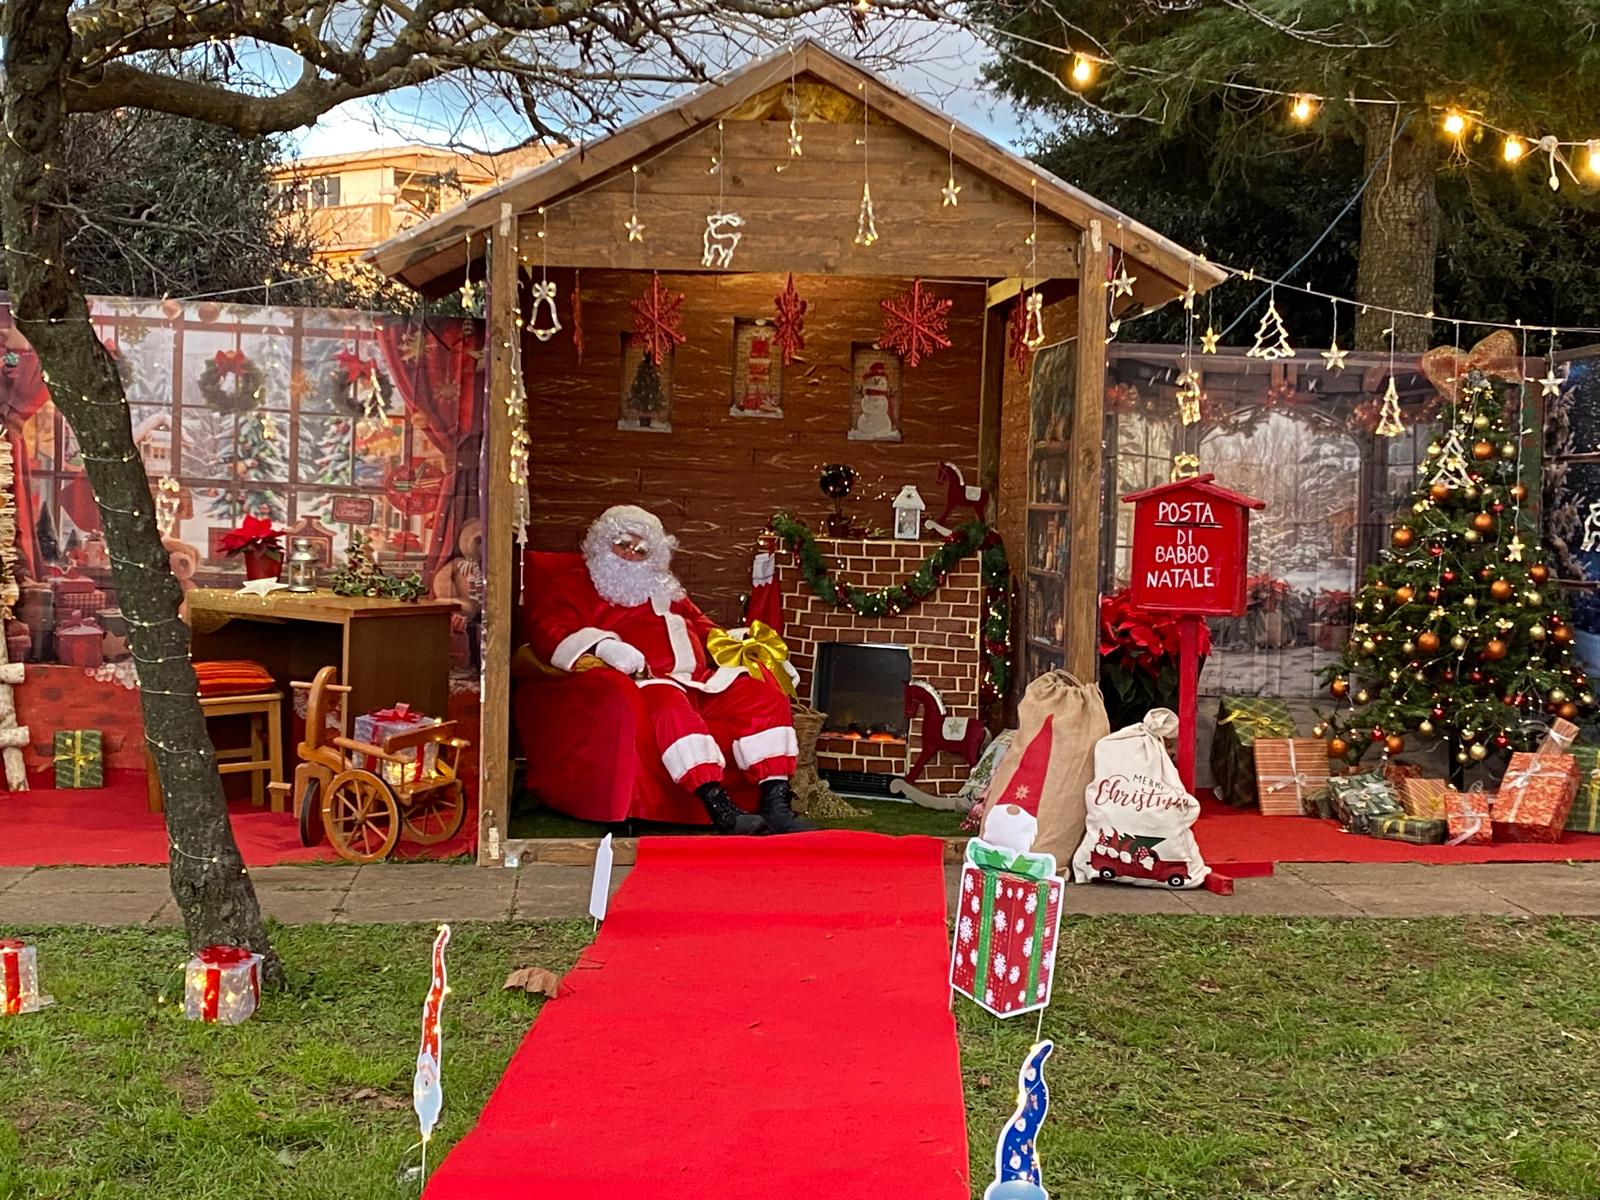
[[973, 538]]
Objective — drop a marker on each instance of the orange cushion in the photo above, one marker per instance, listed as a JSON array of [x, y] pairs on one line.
[[233, 677]]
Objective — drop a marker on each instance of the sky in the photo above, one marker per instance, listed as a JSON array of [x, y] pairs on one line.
[[945, 73]]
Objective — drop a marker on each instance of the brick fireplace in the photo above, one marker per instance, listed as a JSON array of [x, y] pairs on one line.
[[942, 635]]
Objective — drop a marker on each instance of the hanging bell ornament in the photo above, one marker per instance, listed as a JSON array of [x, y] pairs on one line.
[[1457, 642], [1425, 727], [1478, 751]]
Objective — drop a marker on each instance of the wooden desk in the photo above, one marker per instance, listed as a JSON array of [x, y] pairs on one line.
[[387, 651]]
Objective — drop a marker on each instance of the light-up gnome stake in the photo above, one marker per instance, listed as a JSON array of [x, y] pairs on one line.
[[222, 985], [19, 978], [1009, 906], [1016, 1154]]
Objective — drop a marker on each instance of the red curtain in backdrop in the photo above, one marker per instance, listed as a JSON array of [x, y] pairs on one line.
[[22, 393], [434, 363]]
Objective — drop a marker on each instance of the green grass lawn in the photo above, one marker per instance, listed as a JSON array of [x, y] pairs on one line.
[[878, 816], [1195, 1058]]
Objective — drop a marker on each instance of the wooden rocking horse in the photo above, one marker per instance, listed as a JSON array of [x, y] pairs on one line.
[[958, 496], [940, 732]]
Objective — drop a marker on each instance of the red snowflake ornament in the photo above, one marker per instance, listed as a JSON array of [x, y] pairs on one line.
[[1020, 353], [789, 327], [658, 320], [915, 325]]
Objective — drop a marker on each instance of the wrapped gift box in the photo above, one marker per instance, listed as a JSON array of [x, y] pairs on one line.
[[1585, 814], [19, 642], [1467, 817], [1240, 721], [79, 758], [19, 978], [1535, 797], [1396, 773], [222, 985], [1560, 738], [1007, 922], [1419, 831], [1359, 800], [1289, 774], [81, 645], [375, 728], [1423, 797]]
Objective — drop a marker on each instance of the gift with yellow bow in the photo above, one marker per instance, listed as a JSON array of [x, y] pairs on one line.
[[755, 648], [79, 760], [1241, 720], [1495, 357]]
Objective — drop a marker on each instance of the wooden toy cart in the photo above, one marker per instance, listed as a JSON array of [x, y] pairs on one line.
[[361, 813]]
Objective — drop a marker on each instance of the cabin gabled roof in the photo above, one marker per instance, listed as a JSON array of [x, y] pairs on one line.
[[440, 246], [1201, 484]]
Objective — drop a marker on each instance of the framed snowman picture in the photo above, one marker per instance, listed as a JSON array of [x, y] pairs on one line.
[[874, 394]]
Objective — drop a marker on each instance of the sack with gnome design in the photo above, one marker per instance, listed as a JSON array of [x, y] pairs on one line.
[[1138, 818], [1054, 775]]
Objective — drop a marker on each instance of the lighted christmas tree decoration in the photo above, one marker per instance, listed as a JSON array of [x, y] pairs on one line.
[[1389, 422], [1272, 335], [19, 978], [1455, 633]]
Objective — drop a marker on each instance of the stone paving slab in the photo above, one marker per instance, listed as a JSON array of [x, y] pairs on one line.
[[81, 881], [552, 890], [11, 875], [1271, 896], [1439, 898], [20, 910], [304, 878]]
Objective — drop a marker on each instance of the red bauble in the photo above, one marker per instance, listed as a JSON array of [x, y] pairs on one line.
[[1476, 677], [1437, 712], [1448, 576], [1433, 593], [1501, 740], [1435, 551], [1377, 734]]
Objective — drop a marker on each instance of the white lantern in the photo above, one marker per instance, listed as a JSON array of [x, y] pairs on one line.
[[19, 978], [222, 985], [908, 510]]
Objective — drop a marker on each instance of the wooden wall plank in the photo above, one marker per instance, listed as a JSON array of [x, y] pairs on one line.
[[716, 479]]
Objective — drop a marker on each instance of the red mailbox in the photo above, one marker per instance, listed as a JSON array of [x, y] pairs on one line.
[[1190, 543], [1190, 538]]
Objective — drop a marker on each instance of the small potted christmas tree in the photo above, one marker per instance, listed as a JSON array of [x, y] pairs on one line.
[[645, 398], [1460, 630]]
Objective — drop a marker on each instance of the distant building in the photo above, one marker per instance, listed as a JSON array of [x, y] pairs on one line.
[[351, 202]]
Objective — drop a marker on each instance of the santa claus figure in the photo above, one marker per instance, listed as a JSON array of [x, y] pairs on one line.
[[625, 607]]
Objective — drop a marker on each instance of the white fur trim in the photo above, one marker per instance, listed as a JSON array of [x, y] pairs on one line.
[[719, 680], [778, 742], [764, 569], [575, 645], [690, 751], [683, 659]]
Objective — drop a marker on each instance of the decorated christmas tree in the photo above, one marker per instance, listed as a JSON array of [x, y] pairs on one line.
[[1460, 629]]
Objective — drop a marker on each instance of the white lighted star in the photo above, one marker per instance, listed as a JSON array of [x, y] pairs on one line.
[[1188, 297], [950, 191], [1514, 549], [1550, 383], [635, 228], [1122, 283], [1334, 355], [1209, 340]]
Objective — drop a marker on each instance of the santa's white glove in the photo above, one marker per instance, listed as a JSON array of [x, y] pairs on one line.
[[619, 654]]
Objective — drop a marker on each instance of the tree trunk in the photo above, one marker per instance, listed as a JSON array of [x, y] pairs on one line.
[[209, 882], [1399, 232]]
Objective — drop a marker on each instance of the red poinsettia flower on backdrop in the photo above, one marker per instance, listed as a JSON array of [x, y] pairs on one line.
[[1135, 638], [252, 533]]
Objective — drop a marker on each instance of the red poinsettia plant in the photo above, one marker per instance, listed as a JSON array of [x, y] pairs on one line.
[[1139, 657], [253, 535]]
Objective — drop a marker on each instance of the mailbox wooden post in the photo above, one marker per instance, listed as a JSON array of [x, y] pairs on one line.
[[1190, 544]]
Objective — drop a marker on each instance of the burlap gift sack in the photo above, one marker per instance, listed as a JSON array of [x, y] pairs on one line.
[[1080, 721]]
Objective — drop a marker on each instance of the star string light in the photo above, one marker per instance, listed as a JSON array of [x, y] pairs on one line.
[[951, 189], [633, 225], [1333, 356]]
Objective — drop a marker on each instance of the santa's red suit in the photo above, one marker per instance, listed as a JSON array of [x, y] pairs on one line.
[[702, 714]]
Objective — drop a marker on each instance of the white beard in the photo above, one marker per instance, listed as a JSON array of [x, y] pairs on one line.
[[624, 582]]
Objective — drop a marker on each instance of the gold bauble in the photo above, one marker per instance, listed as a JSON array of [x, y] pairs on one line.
[[1428, 642], [1435, 450], [1508, 450], [1439, 493], [1586, 699], [1457, 642], [1557, 696], [1408, 647], [1470, 492], [1483, 522], [1461, 756], [1403, 537], [1536, 632], [1368, 646], [1394, 674], [1425, 727], [1469, 601], [1501, 591], [1533, 598], [1478, 751], [1362, 697], [1470, 536], [1480, 422]]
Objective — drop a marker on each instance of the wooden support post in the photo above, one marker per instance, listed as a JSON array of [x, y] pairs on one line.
[[500, 551], [1082, 615], [989, 403]]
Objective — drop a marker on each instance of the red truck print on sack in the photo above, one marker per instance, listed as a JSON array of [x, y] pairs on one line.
[[1131, 857]]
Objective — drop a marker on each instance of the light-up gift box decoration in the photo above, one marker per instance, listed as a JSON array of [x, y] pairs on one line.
[[19, 978], [222, 985]]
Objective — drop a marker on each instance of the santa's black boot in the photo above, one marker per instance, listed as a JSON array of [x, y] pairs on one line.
[[775, 808], [727, 816]]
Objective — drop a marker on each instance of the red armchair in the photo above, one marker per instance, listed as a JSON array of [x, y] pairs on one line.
[[586, 737]]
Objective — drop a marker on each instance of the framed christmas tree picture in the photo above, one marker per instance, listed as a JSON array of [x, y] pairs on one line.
[[646, 389]]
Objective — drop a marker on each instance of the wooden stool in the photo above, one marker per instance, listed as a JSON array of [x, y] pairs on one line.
[[262, 759]]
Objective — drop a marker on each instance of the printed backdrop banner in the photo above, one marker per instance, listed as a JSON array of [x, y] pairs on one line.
[[327, 422]]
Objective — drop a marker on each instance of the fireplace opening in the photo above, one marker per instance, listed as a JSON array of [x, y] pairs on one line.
[[862, 686]]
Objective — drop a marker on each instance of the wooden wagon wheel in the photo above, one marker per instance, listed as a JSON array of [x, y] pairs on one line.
[[360, 816], [309, 807], [435, 816]]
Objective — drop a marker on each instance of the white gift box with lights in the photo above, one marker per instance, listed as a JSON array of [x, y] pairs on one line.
[[222, 985], [19, 978]]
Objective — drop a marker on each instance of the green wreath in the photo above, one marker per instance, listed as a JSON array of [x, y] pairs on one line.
[[972, 538], [249, 383]]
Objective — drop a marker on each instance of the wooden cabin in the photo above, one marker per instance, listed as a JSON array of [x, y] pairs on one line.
[[727, 197]]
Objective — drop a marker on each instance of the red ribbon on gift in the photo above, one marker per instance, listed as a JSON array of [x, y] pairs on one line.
[[11, 975], [399, 712], [215, 960]]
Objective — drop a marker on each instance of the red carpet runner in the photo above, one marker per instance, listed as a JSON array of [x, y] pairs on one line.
[[760, 1019]]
